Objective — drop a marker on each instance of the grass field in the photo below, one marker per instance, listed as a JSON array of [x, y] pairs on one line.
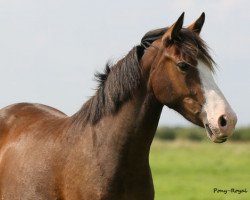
[[189, 171]]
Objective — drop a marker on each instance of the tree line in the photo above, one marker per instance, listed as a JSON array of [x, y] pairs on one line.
[[198, 134]]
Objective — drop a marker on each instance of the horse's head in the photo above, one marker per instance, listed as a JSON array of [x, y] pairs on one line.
[[180, 72]]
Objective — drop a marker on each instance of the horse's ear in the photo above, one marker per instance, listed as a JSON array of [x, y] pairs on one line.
[[197, 25], [174, 30]]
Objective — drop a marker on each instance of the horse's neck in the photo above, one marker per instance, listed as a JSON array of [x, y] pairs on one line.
[[117, 147], [127, 135]]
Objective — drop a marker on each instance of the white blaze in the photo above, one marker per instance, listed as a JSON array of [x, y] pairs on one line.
[[215, 103]]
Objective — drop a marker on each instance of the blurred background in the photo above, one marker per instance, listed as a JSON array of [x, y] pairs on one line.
[[50, 49]]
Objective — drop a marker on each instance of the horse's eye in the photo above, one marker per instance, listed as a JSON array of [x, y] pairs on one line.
[[184, 67]]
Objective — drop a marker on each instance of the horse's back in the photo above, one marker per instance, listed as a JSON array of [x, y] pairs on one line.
[[21, 118], [28, 134], [16, 117], [27, 109]]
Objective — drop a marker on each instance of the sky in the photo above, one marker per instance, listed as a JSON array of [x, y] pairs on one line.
[[50, 49]]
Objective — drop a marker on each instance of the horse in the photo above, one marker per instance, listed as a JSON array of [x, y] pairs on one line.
[[102, 151]]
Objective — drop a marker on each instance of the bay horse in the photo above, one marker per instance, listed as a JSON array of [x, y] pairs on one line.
[[102, 151]]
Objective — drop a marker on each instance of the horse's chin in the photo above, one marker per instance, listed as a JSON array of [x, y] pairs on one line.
[[213, 134]]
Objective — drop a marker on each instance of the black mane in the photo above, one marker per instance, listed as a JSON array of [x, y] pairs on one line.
[[189, 44], [151, 36], [116, 86], [118, 82]]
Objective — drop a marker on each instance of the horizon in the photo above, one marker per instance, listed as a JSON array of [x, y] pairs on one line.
[[49, 51]]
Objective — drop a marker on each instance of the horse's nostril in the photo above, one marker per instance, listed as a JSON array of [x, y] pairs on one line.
[[223, 121]]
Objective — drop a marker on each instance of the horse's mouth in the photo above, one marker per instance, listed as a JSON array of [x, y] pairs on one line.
[[212, 134]]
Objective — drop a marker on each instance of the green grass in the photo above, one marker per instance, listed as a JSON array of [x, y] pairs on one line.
[[191, 170]]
